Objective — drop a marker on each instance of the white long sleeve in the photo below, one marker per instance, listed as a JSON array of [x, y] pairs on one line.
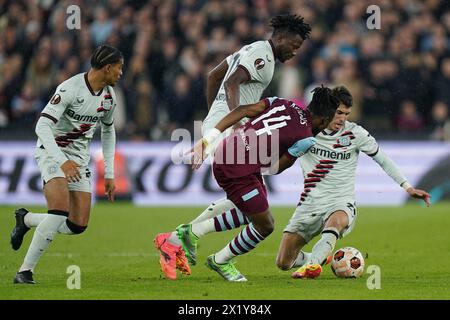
[[45, 133], [108, 137], [389, 167]]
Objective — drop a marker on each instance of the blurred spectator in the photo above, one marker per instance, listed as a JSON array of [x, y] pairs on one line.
[[409, 119], [102, 26], [440, 124], [169, 47], [26, 107], [181, 104], [442, 86]]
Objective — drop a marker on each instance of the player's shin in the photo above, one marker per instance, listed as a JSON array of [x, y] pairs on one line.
[[324, 247], [228, 220], [214, 209], [41, 240], [244, 242]]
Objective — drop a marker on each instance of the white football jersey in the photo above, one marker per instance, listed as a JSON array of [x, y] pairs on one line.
[[77, 111], [258, 60], [329, 167]]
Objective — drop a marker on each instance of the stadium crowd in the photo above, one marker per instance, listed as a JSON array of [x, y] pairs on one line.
[[399, 75]]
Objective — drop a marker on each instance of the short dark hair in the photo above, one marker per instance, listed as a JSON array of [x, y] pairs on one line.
[[291, 23], [344, 95], [104, 55], [324, 103]]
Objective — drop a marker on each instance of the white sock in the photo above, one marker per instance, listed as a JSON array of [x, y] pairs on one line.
[[41, 239], [214, 209], [204, 227], [324, 247], [224, 255], [64, 229], [301, 259], [32, 219], [173, 239]]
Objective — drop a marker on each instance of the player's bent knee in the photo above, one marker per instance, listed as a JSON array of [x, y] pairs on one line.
[[283, 264], [75, 228]]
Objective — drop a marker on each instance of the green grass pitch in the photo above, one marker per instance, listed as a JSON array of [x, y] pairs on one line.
[[117, 259]]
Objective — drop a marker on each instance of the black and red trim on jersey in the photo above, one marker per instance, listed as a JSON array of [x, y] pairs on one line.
[[273, 48], [108, 124], [315, 176], [89, 86], [375, 153], [49, 117]]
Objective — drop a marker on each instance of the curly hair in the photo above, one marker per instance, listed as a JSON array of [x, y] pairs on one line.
[[324, 103], [290, 23]]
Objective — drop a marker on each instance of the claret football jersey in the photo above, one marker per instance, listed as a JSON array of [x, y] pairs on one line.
[[264, 138]]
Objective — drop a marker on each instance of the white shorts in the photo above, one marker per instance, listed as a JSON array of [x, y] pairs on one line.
[[308, 222], [50, 169]]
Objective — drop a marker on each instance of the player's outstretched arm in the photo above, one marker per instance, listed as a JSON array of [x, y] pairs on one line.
[[200, 151], [394, 172], [214, 80], [297, 150]]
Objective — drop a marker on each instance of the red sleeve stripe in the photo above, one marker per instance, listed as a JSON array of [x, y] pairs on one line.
[[49, 116]]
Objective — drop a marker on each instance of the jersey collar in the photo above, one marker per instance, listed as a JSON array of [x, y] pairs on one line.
[[89, 86], [273, 48], [328, 132]]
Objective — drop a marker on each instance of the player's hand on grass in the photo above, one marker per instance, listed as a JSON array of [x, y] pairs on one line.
[[420, 194], [70, 169], [110, 189]]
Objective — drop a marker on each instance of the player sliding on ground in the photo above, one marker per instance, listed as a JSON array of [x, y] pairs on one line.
[[278, 131], [65, 130], [327, 204]]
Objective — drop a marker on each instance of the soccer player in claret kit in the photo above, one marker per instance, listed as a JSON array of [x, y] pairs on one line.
[[327, 204], [65, 130], [241, 79], [277, 128]]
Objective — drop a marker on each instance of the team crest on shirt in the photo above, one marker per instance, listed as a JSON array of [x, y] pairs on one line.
[[55, 99], [344, 140], [259, 64], [106, 104]]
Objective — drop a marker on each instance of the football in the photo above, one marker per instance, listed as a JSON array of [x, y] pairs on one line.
[[347, 262]]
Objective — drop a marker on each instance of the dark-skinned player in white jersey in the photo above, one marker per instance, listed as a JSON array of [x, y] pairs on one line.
[[240, 79]]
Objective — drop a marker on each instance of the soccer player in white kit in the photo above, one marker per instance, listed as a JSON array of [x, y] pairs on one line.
[[240, 79], [65, 130], [327, 204]]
